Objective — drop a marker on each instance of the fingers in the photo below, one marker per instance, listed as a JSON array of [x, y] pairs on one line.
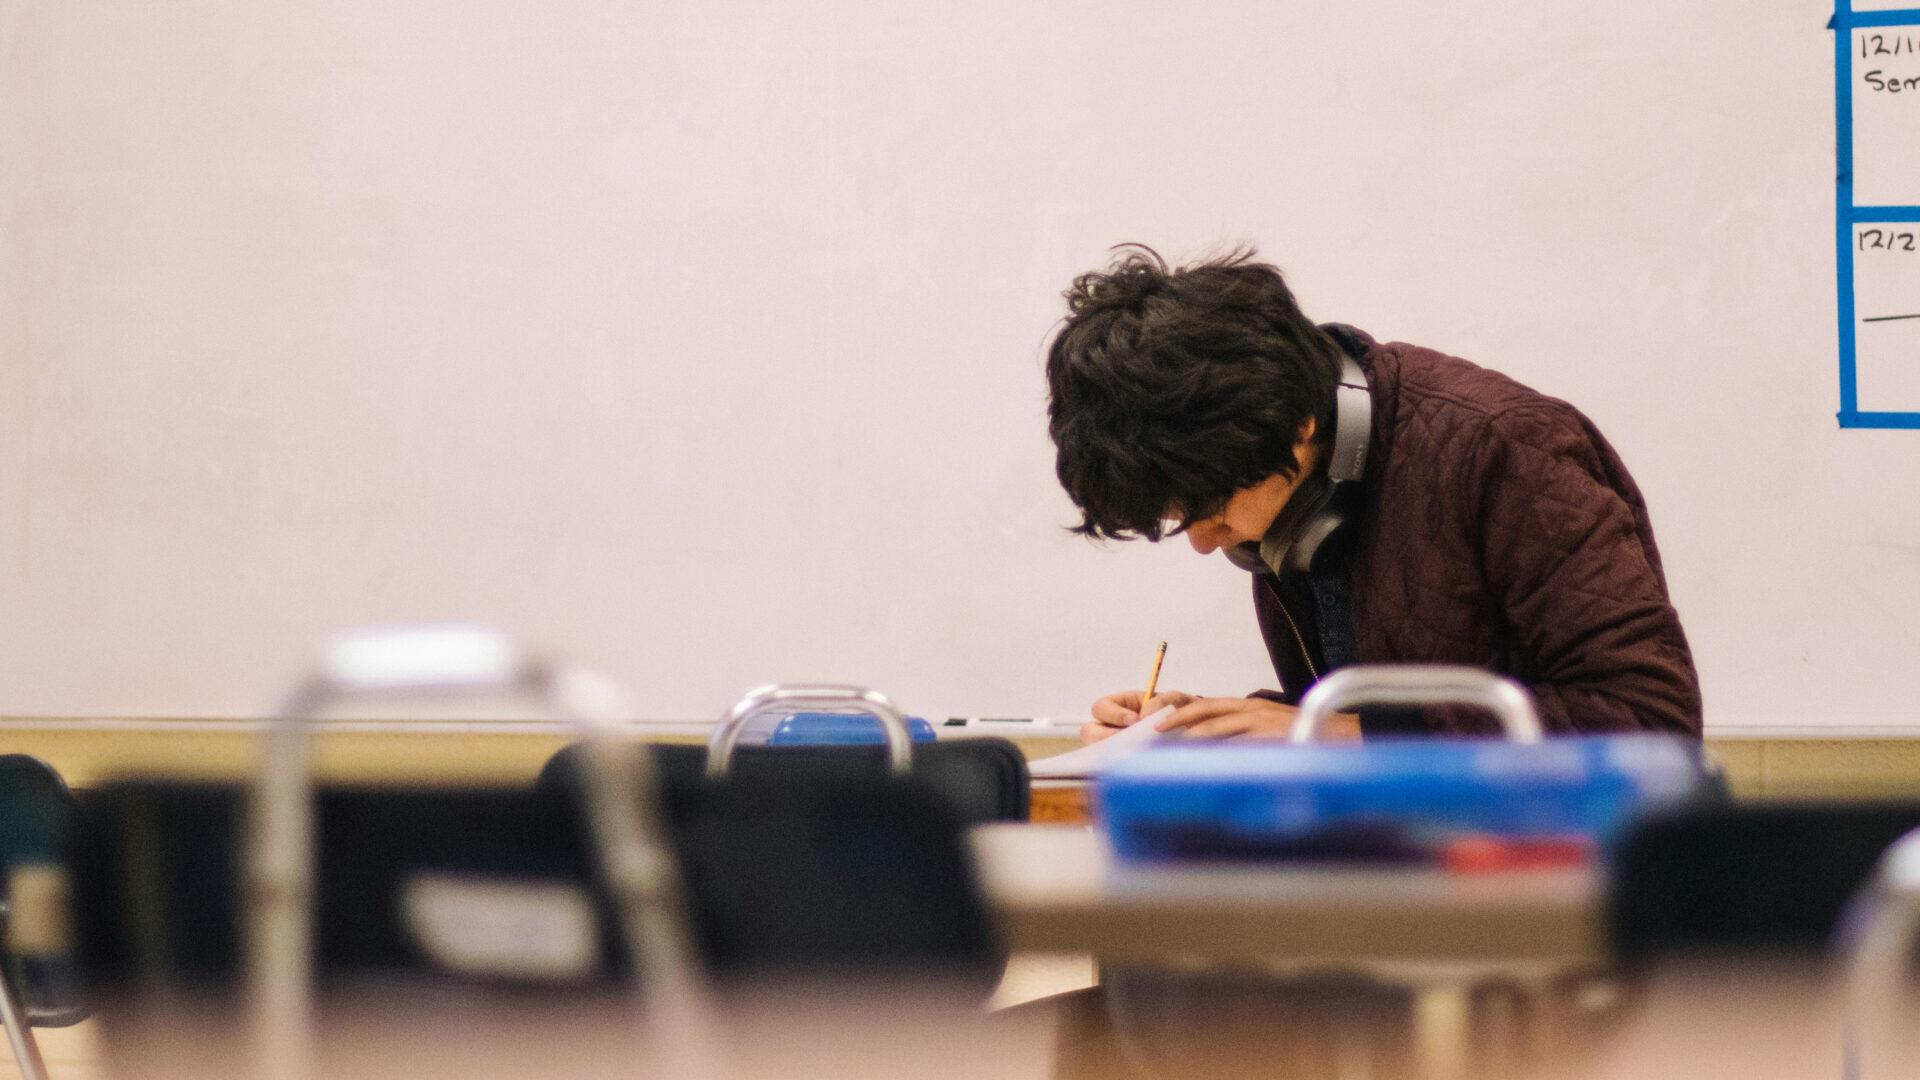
[[1224, 727], [1115, 712], [1118, 710], [1199, 710], [1160, 701], [1216, 718]]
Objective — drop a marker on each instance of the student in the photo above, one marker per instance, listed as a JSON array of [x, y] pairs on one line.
[[1487, 525]]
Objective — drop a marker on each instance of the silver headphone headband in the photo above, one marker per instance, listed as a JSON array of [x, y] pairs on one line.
[[1352, 424]]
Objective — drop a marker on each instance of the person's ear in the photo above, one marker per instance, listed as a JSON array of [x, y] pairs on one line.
[[1306, 433]]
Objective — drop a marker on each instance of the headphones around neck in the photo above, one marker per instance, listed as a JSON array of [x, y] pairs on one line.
[[1310, 515]]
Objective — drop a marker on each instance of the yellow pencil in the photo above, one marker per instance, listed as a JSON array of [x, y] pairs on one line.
[[1153, 679]]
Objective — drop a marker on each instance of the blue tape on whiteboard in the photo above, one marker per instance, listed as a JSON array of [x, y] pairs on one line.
[[839, 729], [1847, 214], [1401, 797]]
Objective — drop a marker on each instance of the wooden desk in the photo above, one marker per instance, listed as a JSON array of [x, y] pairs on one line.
[[1061, 802], [1057, 889]]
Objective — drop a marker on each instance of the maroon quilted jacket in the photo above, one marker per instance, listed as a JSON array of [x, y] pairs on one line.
[[1498, 529]]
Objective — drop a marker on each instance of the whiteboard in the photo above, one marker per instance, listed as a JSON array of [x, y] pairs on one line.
[[702, 342]]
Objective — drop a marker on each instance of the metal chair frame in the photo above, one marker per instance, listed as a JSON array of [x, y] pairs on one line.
[[622, 806], [1418, 684], [795, 697]]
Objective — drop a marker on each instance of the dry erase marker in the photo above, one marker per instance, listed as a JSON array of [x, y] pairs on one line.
[[1014, 722]]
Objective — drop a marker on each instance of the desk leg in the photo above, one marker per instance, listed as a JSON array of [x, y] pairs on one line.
[[1441, 1013], [1507, 1016]]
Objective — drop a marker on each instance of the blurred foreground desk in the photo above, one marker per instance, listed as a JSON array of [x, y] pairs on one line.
[[1057, 889]]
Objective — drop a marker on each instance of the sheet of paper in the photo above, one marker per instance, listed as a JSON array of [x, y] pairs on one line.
[[1091, 759]]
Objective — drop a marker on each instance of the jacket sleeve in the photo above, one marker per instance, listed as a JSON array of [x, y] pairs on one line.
[[1569, 558]]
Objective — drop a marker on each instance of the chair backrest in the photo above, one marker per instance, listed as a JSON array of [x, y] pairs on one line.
[[867, 876], [159, 897], [36, 810], [814, 858], [1746, 878], [495, 890], [982, 780]]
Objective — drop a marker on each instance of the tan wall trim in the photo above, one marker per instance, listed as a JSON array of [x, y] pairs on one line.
[[86, 753]]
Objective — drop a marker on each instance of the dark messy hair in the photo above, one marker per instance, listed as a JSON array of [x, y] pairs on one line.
[[1173, 389]]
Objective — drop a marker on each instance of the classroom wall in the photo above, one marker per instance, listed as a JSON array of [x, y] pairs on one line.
[[703, 341]]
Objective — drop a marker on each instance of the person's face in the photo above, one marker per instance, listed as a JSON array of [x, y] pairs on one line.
[[1250, 513]]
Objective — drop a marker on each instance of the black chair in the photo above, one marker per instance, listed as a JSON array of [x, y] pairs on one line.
[[39, 986], [799, 880], [830, 859], [207, 903], [158, 882], [981, 780], [1746, 879], [803, 874], [984, 780], [826, 870]]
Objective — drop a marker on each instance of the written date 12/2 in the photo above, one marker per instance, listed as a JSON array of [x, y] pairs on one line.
[[1886, 240]]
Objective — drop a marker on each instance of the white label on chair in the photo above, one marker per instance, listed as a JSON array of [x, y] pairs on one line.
[[38, 902], [450, 656], [502, 927]]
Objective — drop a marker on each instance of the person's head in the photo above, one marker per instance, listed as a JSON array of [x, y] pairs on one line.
[[1186, 400]]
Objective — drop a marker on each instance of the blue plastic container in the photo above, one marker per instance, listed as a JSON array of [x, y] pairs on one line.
[[1386, 799], [839, 729]]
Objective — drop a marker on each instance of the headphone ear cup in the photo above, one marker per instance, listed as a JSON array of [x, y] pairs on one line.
[[1324, 524], [1246, 557], [1310, 517], [1297, 519]]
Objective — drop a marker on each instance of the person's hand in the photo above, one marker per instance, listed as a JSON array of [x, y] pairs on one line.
[[1228, 717], [1115, 712]]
